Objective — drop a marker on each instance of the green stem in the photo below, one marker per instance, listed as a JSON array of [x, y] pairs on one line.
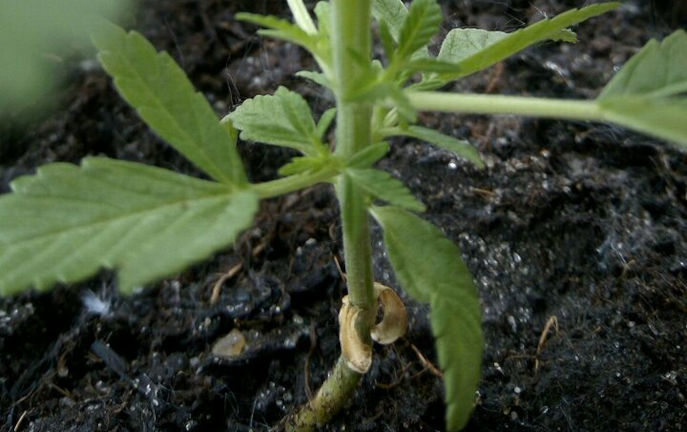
[[497, 104], [332, 395], [351, 20], [357, 251], [351, 34]]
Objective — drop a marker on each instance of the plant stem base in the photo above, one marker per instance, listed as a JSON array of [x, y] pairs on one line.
[[329, 400]]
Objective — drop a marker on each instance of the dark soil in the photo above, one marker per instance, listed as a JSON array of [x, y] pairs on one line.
[[576, 224]]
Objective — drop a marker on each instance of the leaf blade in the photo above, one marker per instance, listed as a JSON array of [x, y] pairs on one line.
[[419, 26], [487, 48], [279, 28], [325, 122], [165, 99], [647, 94], [66, 222], [317, 77], [460, 148], [393, 13], [463, 43], [430, 268], [366, 157], [283, 119], [382, 185], [659, 69], [661, 118]]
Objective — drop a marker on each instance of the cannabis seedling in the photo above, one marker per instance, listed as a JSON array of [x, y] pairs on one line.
[[66, 222]]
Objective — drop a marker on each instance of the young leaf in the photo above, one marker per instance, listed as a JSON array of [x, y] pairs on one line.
[[323, 14], [316, 77], [430, 268], [301, 16], [657, 70], [302, 164], [662, 118], [366, 157], [648, 93], [376, 91], [387, 40], [473, 50], [325, 121], [373, 87], [156, 86], [463, 43], [282, 119], [382, 185], [456, 324], [391, 12], [461, 148], [285, 30], [419, 26], [401, 103], [66, 222]]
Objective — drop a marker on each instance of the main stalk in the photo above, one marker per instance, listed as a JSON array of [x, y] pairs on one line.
[[352, 38], [351, 20]]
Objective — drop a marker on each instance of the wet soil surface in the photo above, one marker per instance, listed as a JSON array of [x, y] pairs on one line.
[[576, 235]]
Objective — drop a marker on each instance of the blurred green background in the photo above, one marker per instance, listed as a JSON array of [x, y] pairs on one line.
[[34, 37]]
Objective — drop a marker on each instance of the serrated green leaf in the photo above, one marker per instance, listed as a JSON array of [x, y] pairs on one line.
[[430, 268], [366, 157], [303, 164], [282, 119], [456, 324], [165, 99], [318, 43], [647, 94], [565, 35], [282, 29], [66, 222], [325, 122], [299, 165], [301, 16], [324, 15], [664, 118], [391, 12], [387, 40], [382, 185], [657, 70], [372, 89], [316, 77], [401, 103], [419, 26], [461, 148], [474, 49], [463, 43]]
